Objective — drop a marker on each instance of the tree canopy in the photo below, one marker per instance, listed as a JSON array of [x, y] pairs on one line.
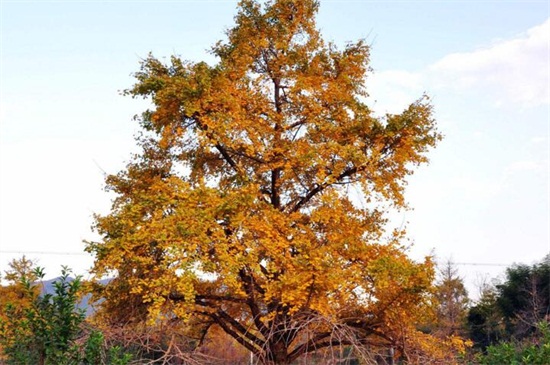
[[253, 205], [514, 308]]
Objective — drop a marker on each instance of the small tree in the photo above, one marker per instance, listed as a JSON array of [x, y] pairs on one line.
[[452, 302], [48, 328], [524, 297], [485, 319], [14, 292], [45, 331], [13, 295]]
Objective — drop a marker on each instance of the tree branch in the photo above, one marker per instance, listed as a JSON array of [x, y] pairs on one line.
[[226, 298], [226, 321], [249, 285], [312, 344], [221, 149], [239, 338], [319, 188]]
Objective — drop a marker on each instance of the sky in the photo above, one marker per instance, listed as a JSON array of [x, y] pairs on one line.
[[483, 201]]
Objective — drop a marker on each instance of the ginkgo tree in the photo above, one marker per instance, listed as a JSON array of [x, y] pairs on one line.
[[255, 203]]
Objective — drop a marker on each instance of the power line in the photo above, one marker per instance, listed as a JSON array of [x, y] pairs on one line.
[[87, 254], [479, 264], [47, 253]]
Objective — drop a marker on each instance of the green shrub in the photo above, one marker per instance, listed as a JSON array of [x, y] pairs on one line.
[[50, 331], [534, 351]]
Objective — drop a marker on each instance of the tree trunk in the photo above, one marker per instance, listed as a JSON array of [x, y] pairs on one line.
[[277, 354]]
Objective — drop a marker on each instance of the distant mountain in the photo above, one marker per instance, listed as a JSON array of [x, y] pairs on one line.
[[48, 288]]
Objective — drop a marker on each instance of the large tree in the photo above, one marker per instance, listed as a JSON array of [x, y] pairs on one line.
[[254, 204]]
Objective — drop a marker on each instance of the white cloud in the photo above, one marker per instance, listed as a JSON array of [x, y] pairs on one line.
[[516, 70], [512, 71]]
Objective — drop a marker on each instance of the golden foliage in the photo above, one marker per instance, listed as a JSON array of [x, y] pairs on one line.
[[240, 210], [14, 292], [14, 297]]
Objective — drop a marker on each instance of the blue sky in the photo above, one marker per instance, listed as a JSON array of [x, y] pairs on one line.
[[483, 199]]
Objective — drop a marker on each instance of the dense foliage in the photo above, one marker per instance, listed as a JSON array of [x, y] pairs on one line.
[[509, 324], [253, 206], [512, 309], [534, 350], [42, 328], [44, 331]]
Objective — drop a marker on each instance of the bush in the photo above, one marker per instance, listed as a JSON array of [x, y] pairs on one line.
[[50, 331], [534, 351]]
